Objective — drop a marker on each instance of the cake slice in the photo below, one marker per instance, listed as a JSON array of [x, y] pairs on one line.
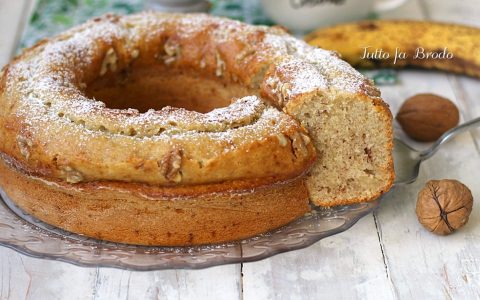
[[349, 123]]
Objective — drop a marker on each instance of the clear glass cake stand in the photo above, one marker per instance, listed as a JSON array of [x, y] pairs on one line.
[[27, 235]]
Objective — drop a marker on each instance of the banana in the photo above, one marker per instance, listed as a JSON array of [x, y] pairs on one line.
[[396, 43]]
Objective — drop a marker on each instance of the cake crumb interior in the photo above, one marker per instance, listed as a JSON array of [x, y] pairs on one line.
[[352, 149]]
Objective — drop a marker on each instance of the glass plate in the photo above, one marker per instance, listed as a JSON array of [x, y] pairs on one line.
[[27, 235]]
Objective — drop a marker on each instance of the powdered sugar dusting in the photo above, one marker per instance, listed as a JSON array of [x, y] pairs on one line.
[[314, 68], [73, 132]]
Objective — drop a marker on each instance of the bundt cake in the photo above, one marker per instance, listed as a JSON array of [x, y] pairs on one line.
[[170, 129]]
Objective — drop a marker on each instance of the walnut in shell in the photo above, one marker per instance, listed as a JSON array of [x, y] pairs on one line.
[[425, 117], [443, 206]]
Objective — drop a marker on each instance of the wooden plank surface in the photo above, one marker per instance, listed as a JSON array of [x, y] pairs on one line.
[[387, 255], [223, 282], [348, 265], [425, 266], [421, 264]]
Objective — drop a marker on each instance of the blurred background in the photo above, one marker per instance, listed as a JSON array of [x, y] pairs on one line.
[[24, 22], [42, 18]]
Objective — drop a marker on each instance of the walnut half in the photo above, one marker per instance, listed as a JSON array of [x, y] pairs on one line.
[[171, 164], [109, 62]]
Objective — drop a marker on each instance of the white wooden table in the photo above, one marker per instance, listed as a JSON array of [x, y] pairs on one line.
[[386, 255]]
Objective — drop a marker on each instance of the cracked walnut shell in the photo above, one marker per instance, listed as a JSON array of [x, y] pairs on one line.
[[444, 206]]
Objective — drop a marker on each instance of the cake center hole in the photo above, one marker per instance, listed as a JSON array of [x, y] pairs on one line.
[[152, 88]]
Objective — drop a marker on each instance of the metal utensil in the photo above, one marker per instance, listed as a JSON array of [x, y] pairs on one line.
[[407, 160]]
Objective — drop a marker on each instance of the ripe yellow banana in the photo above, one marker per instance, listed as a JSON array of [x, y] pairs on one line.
[[391, 43]]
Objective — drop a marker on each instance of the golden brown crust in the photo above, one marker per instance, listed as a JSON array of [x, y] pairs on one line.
[[140, 214]]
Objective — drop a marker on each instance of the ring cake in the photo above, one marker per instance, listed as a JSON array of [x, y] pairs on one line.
[[163, 129]]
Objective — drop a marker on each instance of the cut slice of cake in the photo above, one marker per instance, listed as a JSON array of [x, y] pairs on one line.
[[350, 125]]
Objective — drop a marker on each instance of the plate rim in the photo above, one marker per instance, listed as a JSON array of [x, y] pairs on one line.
[[270, 252]]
